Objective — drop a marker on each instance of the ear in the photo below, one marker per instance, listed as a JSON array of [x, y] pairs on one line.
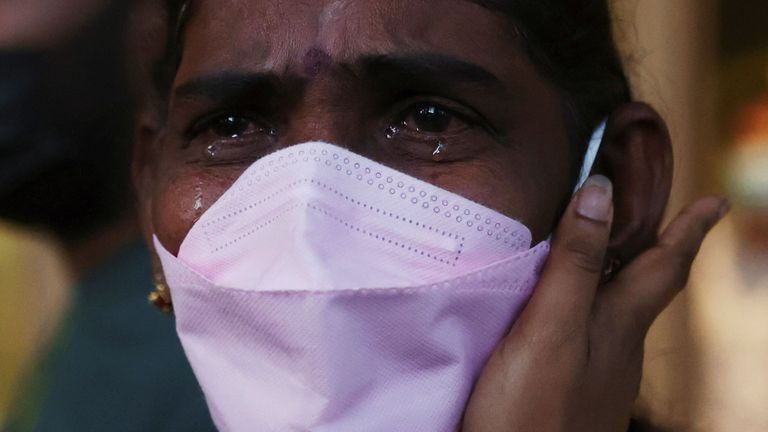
[[636, 155]]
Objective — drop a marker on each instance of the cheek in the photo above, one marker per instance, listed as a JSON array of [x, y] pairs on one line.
[[512, 192], [181, 200]]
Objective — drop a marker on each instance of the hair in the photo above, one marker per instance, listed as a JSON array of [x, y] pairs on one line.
[[570, 42]]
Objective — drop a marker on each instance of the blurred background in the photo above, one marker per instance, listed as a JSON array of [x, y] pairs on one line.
[[702, 63]]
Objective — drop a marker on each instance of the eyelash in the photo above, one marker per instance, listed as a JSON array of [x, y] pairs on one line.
[[455, 109], [207, 121]]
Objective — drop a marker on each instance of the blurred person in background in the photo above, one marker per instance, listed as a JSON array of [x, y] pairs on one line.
[[65, 128]]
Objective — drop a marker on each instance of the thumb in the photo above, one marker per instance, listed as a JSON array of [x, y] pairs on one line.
[[569, 281]]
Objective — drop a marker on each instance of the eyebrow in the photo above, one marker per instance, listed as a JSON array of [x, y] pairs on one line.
[[228, 85], [428, 67], [422, 69], [488, 4]]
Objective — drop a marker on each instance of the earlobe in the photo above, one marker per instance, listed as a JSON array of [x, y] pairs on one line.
[[636, 155]]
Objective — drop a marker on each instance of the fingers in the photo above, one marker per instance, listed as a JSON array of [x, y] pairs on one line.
[[570, 278], [649, 284]]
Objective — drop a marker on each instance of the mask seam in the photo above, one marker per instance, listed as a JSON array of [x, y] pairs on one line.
[[455, 256], [435, 286], [493, 287]]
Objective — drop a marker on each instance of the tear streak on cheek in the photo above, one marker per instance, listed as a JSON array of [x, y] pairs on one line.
[[182, 202], [207, 190]]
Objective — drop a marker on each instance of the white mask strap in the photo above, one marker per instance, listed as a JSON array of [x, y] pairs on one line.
[[589, 158], [591, 155]]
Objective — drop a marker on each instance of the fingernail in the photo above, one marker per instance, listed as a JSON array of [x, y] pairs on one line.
[[595, 200]]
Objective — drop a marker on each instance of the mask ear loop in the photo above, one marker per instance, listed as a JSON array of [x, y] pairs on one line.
[[590, 156]]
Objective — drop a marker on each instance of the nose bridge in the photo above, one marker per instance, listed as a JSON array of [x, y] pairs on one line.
[[326, 113], [332, 108]]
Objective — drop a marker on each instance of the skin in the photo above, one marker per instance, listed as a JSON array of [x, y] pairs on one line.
[[574, 358], [343, 72], [339, 88]]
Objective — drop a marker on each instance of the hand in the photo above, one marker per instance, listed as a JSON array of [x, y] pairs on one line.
[[573, 360], [43, 23]]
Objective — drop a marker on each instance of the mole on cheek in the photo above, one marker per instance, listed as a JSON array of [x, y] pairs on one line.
[[315, 60]]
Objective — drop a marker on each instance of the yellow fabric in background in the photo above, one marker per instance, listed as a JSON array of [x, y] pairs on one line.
[[34, 294], [730, 319]]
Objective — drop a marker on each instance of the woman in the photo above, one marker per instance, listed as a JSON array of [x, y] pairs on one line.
[[307, 302]]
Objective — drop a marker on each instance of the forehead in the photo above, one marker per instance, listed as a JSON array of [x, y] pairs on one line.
[[276, 34]]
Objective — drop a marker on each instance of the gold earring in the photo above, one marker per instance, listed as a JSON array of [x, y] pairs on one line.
[[161, 296], [610, 270]]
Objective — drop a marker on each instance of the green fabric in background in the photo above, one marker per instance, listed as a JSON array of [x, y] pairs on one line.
[[117, 364]]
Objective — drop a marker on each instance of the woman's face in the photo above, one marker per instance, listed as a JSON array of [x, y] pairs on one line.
[[388, 80]]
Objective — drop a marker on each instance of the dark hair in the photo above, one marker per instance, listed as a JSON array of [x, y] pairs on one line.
[[570, 42]]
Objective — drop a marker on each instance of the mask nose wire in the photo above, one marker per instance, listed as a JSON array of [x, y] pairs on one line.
[[589, 158]]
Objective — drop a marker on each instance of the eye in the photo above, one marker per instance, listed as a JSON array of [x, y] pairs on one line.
[[431, 119], [231, 126], [230, 138], [437, 131]]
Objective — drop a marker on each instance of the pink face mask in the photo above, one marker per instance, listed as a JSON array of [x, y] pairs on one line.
[[327, 292]]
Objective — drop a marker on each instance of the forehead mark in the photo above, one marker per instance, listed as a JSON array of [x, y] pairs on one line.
[[315, 61]]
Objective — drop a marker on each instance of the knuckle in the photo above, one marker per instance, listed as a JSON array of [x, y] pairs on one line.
[[674, 267], [682, 275], [701, 231], [688, 212], [679, 257], [631, 335], [563, 349], [683, 261], [618, 323], [563, 337], [584, 255]]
